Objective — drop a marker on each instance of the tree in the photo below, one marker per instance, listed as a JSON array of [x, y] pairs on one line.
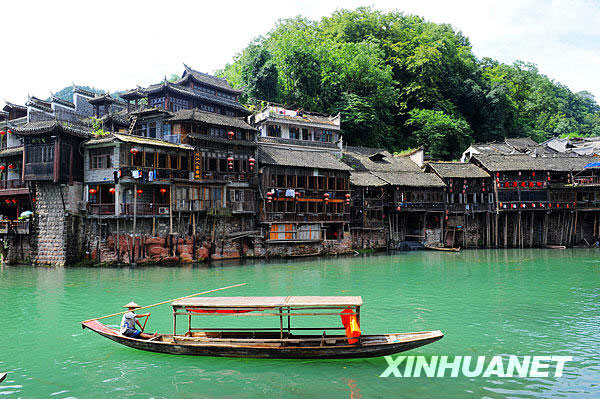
[[443, 136]]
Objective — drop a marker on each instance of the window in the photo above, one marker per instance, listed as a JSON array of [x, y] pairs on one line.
[[40, 153], [152, 129], [206, 107], [149, 160], [274, 131], [294, 133], [305, 135], [100, 158]]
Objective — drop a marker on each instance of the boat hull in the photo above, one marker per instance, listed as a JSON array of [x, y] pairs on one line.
[[403, 343]]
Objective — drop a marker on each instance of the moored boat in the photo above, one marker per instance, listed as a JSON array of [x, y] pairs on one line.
[[282, 342], [444, 249]]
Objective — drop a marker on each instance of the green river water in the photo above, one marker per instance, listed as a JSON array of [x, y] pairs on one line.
[[487, 302]]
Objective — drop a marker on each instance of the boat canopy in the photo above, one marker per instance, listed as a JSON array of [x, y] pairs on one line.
[[268, 301]]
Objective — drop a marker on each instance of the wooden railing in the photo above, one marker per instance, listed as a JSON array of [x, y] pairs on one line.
[[145, 208], [161, 173], [242, 206], [101, 209], [16, 226], [583, 181], [469, 207], [11, 184], [304, 217]]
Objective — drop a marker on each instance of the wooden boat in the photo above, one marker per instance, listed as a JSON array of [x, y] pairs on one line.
[[446, 249], [556, 247], [2, 376], [282, 342]]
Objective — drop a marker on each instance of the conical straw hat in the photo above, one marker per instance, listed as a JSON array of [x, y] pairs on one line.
[[131, 305]]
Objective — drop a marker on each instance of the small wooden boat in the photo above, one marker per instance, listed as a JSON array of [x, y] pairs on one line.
[[556, 247], [2, 376], [282, 342], [446, 249]]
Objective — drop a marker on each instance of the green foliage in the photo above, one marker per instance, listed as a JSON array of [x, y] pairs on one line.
[[443, 136], [400, 81], [97, 127], [66, 93]]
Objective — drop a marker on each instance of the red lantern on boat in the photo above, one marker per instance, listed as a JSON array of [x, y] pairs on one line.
[[163, 190], [11, 166], [134, 150], [230, 134], [93, 191], [112, 190]]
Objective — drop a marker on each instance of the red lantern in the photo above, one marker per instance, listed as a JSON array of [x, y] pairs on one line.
[[347, 195], [2, 132], [139, 191], [497, 174], [14, 201], [523, 184], [11, 166], [230, 134], [93, 191], [133, 150], [501, 205], [10, 131], [539, 184], [533, 174], [7, 201], [163, 190], [558, 205], [531, 184], [326, 195], [111, 190], [548, 178], [2, 167], [398, 208], [515, 184]]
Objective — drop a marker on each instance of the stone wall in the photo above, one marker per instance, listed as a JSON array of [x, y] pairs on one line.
[[57, 233]]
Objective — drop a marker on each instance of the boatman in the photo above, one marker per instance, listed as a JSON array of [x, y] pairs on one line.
[[130, 319]]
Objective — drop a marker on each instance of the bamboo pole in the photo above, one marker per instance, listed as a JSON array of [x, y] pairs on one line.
[[170, 300]]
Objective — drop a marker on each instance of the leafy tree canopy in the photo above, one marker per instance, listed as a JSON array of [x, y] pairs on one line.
[[399, 81]]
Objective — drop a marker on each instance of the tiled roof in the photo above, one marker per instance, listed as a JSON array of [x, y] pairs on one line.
[[366, 179], [209, 80], [458, 169], [127, 138], [186, 91], [60, 101], [411, 179], [9, 106], [381, 161], [516, 162], [305, 117], [43, 127], [210, 118], [11, 151], [303, 158]]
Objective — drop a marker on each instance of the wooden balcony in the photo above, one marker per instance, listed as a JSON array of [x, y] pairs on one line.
[[145, 208], [14, 226], [101, 209], [304, 217]]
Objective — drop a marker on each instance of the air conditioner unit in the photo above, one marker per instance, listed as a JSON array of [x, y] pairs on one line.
[[163, 210]]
